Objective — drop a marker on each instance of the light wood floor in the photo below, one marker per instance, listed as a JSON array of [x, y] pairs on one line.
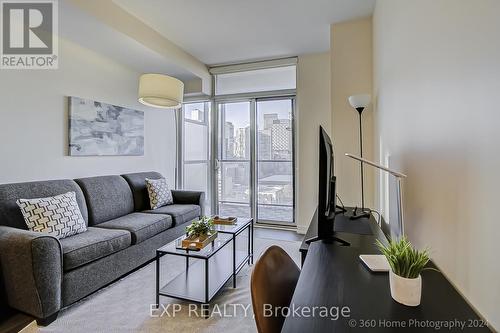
[[19, 321]]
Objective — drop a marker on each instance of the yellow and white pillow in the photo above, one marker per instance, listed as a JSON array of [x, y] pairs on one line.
[[159, 193]]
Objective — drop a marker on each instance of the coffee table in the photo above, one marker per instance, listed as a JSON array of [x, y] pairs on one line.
[[207, 270], [235, 230]]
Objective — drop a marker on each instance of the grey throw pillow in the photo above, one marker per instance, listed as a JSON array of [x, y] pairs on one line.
[[58, 216], [159, 193]]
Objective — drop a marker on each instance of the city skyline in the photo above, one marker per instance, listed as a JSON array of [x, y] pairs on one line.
[[274, 164], [274, 140], [274, 147]]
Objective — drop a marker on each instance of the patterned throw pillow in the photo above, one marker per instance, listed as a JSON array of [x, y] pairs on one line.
[[59, 216], [159, 193]]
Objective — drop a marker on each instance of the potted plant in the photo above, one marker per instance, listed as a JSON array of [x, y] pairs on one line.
[[406, 265], [201, 229]]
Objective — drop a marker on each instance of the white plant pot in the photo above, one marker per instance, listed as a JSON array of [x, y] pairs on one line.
[[405, 291]]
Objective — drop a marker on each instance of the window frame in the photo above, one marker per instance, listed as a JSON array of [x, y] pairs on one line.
[[181, 162], [217, 152], [213, 132]]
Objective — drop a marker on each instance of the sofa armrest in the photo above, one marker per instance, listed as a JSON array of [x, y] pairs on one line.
[[31, 264], [189, 197]]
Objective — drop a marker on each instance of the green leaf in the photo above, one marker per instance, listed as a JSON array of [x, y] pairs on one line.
[[403, 258], [201, 227]]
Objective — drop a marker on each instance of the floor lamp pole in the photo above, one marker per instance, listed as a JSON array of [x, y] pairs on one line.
[[360, 111], [363, 213]]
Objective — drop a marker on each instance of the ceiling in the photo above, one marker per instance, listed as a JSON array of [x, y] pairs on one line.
[[227, 31], [87, 31]]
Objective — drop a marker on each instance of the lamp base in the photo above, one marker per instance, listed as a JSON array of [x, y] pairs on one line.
[[340, 210], [361, 215], [329, 240]]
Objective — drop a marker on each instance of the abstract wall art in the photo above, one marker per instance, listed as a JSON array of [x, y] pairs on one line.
[[100, 129]]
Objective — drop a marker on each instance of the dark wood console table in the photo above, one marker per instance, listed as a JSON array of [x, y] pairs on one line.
[[333, 277]]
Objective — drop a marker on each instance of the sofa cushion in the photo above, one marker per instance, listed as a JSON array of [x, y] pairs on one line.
[[59, 216], [93, 244], [159, 193], [10, 214], [180, 213], [137, 183], [108, 197], [141, 226]]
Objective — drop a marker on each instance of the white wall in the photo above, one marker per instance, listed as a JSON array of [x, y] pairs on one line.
[[437, 78], [313, 110], [34, 119], [132, 31], [351, 70]]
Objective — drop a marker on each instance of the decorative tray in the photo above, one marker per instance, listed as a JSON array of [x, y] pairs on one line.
[[198, 243], [224, 220]]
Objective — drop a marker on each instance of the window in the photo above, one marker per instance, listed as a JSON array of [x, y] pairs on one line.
[[195, 112], [255, 159], [268, 79], [275, 160], [195, 166], [241, 152], [233, 177]]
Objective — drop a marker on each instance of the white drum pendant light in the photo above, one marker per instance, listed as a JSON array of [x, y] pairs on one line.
[[161, 91]]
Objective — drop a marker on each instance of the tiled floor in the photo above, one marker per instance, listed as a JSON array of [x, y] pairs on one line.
[[271, 213], [278, 234]]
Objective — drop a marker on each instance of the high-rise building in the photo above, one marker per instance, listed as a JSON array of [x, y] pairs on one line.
[[264, 143], [229, 142], [247, 143], [196, 114], [281, 139], [242, 143], [269, 119]]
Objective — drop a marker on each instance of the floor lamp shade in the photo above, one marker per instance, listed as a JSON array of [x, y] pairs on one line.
[[359, 101], [161, 91]]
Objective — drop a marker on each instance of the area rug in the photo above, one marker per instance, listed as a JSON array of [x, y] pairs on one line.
[[126, 305]]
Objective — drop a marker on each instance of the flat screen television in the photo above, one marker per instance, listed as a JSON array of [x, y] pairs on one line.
[[326, 180], [326, 191]]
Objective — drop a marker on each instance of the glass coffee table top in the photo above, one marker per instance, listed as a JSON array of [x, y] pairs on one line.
[[220, 260], [241, 223], [209, 250]]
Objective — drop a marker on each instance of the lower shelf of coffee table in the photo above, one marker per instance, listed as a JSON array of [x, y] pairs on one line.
[[190, 284]]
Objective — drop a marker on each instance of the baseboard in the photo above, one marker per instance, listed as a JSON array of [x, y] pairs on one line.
[[30, 328], [19, 322], [302, 229]]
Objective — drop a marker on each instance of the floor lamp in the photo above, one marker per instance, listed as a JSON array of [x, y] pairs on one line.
[[164, 92], [360, 102]]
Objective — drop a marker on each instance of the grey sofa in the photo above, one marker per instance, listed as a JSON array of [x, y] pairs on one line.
[[41, 274]]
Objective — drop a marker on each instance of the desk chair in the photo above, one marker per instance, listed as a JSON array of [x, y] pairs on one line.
[[273, 281]]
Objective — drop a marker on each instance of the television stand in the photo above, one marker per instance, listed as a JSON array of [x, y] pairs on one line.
[[329, 240], [336, 239], [361, 215]]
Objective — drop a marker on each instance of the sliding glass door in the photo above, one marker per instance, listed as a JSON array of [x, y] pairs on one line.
[[275, 181], [254, 165], [234, 159]]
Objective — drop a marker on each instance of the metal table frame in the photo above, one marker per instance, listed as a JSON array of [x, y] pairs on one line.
[[249, 257], [248, 225]]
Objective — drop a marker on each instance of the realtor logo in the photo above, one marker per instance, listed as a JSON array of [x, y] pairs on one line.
[[29, 39]]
